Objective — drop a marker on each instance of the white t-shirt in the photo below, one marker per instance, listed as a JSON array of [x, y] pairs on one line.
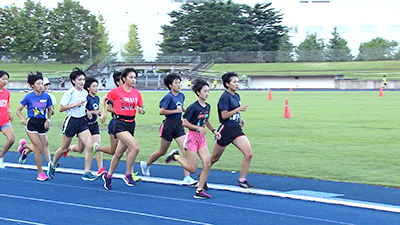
[[73, 96], [53, 98]]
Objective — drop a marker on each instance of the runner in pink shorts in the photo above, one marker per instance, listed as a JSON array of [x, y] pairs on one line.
[[196, 119]]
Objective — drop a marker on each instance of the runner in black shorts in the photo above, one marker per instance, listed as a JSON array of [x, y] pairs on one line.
[[229, 108], [38, 105], [171, 105]]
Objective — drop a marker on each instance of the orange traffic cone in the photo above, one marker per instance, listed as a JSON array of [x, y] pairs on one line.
[[290, 89], [270, 95], [287, 110], [381, 92]]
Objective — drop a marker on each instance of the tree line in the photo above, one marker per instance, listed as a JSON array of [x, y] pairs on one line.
[[67, 32]]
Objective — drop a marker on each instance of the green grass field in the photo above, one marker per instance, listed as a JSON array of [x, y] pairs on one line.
[[356, 69], [332, 135]]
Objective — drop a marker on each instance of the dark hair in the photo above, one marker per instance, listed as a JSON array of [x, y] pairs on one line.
[[88, 82], [169, 79], [2, 72], [75, 73], [126, 71], [33, 77], [226, 78], [116, 77], [198, 84]]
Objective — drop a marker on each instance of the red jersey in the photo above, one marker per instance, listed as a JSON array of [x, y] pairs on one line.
[[4, 106], [125, 103]]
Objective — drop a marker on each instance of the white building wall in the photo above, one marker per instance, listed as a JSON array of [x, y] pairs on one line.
[[358, 21], [260, 82]]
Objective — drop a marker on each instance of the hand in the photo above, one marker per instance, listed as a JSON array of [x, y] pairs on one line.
[[217, 135], [243, 107], [47, 125], [80, 103], [142, 110], [103, 118], [179, 110], [23, 122], [89, 115]]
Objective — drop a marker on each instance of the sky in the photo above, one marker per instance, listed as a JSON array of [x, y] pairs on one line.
[[147, 15]]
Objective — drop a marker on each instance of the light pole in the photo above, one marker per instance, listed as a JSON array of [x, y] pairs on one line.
[[90, 53]]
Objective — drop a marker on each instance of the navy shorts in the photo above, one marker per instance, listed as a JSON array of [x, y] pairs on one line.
[[121, 126], [36, 125], [228, 135], [111, 126], [94, 128], [73, 125], [171, 129]]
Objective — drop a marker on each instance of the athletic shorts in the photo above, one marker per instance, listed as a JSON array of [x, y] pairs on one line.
[[121, 126], [111, 126], [171, 129], [5, 126], [36, 125], [228, 135], [93, 128], [73, 125], [194, 141]]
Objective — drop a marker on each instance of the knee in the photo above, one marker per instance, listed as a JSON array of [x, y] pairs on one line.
[[248, 155], [11, 140], [207, 165]]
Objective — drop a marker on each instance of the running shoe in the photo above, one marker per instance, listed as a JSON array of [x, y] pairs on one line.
[[107, 181], [2, 166], [51, 170], [21, 147], [188, 180], [244, 184], [201, 194], [23, 156], [135, 178], [170, 156], [145, 168], [205, 184], [95, 148], [101, 171], [89, 176], [128, 180], [42, 177]]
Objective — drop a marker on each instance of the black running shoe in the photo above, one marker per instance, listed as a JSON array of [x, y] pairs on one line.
[[170, 156], [245, 184], [201, 194], [107, 181]]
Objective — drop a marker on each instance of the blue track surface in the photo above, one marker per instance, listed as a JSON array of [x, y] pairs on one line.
[[69, 200]]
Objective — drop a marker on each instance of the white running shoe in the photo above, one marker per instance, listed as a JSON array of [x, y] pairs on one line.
[[145, 168], [189, 181]]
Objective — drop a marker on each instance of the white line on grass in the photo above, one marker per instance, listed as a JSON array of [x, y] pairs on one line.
[[102, 208], [337, 201]]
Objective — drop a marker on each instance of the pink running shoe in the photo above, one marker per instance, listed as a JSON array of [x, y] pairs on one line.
[[42, 177], [101, 171], [21, 147]]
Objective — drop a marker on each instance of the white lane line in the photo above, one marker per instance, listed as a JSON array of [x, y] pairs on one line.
[[20, 221], [102, 208], [338, 201], [210, 204]]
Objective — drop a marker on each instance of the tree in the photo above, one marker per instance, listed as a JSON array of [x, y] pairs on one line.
[[222, 26], [311, 49], [27, 30], [132, 49], [285, 49], [71, 26], [103, 48], [377, 49], [337, 49]]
